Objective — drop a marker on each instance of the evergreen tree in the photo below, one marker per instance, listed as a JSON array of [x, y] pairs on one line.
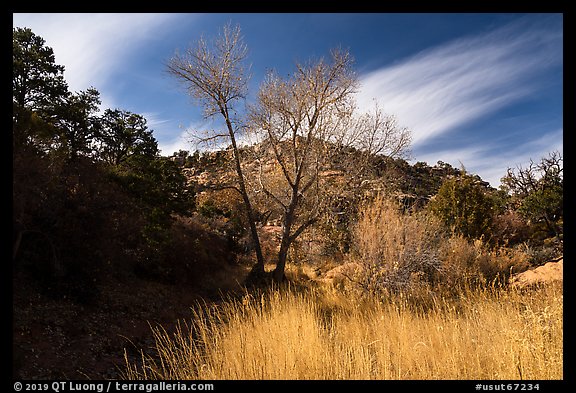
[[124, 134], [465, 206], [38, 88]]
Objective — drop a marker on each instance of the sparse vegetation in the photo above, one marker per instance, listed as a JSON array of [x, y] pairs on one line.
[[415, 303]]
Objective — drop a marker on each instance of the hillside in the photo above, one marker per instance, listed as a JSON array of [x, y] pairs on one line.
[[414, 184]]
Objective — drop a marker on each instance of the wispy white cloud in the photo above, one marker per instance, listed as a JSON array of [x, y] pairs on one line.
[[93, 46], [448, 86], [155, 120]]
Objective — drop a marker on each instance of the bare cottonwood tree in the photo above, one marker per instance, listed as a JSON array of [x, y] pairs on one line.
[[215, 73], [306, 126]]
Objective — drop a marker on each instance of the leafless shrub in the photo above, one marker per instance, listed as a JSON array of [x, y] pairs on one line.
[[395, 250], [472, 263]]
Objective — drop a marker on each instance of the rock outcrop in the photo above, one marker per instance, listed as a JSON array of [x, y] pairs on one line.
[[549, 272]]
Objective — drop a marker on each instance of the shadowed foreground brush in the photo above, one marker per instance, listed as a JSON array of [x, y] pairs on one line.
[[491, 334]]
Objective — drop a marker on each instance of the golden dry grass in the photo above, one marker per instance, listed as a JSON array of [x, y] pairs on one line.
[[288, 334]]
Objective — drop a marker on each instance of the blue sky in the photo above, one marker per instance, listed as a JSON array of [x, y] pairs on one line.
[[482, 90]]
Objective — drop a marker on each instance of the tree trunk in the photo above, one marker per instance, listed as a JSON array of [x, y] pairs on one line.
[[257, 271], [278, 274]]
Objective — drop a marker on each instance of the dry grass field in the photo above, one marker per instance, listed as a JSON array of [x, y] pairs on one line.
[[320, 334]]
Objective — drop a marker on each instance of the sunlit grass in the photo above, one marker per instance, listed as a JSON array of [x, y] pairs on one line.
[[287, 334]]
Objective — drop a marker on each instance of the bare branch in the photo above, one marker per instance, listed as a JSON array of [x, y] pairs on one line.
[[221, 187], [268, 192], [214, 74], [302, 228]]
